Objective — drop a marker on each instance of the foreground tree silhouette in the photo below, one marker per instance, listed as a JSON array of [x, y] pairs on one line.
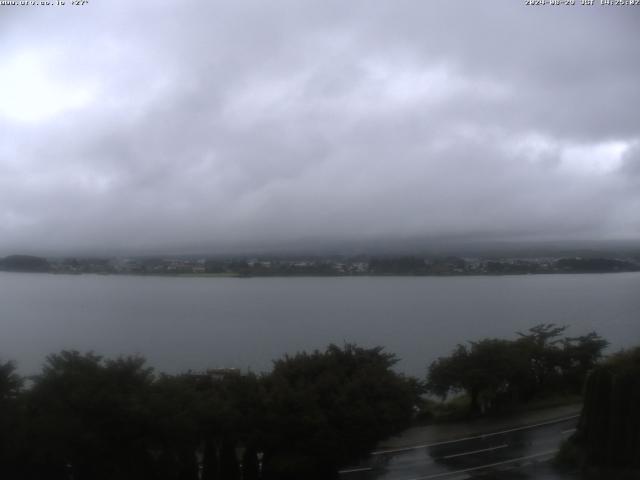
[[497, 372], [484, 370], [608, 434], [175, 405], [12, 438], [328, 408], [88, 418]]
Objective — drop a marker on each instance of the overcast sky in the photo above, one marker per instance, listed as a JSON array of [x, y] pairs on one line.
[[203, 124]]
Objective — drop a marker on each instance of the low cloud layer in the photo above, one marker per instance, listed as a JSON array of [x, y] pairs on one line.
[[179, 125]]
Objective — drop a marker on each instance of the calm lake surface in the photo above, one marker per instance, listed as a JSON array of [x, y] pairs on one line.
[[198, 323]]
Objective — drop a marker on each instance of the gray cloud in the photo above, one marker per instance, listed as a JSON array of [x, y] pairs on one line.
[[169, 126]]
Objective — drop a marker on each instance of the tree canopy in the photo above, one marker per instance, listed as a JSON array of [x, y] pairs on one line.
[[333, 406], [608, 434], [88, 417], [494, 372]]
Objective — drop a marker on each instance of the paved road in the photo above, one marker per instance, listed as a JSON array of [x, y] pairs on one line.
[[525, 450]]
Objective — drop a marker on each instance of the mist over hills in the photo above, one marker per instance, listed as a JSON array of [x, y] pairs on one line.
[[443, 246]]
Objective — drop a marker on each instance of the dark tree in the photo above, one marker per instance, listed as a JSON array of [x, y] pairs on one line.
[[609, 428], [12, 438], [327, 408], [495, 373], [89, 416], [86, 417], [484, 371]]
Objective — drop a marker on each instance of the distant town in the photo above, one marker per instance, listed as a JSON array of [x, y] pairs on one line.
[[320, 266]]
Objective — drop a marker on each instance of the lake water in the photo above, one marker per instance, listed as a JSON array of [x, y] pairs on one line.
[[196, 323]]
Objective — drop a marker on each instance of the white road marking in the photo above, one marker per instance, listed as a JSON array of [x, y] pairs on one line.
[[571, 430], [475, 451], [475, 437], [488, 465], [354, 470]]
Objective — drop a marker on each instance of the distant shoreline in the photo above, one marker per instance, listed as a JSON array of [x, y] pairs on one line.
[[307, 275], [321, 266]]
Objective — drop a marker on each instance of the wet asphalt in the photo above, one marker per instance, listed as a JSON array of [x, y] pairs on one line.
[[518, 453]]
